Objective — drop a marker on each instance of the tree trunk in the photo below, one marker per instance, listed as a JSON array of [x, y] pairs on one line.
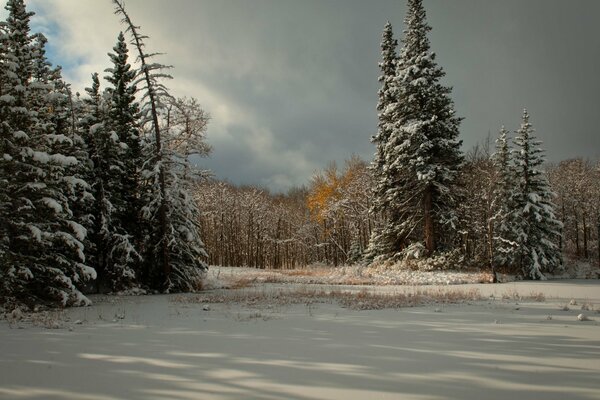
[[491, 250], [598, 228], [576, 233], [585, 238], [429, 229]]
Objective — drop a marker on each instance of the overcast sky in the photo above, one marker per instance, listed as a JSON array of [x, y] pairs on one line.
[[292, 85]]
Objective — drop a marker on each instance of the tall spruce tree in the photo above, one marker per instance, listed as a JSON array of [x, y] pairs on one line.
[[380, 245], [123, 115], [44, 256], [115, 256], [504, 236], [536, 227], [422, 154]]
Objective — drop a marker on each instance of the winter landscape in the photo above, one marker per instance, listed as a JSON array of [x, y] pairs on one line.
[[299, 200]]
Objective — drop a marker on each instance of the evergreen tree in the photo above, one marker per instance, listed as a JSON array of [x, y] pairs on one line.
[[380, 245], [504, 237], [43, 255], [536, 227], [115, 255], [422, 154], [123, 117]]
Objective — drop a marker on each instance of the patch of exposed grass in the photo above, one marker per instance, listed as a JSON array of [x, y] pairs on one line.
[[513, 294], [536, 296], [240, 283], [361, 300]]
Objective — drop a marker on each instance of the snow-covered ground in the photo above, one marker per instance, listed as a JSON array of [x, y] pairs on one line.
[[523, 341]]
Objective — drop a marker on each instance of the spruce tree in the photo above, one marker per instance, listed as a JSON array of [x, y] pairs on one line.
[[504, 236], [44, 255], [536, 227], [422, 154], [123, 115], [380, 245], [114, 255]]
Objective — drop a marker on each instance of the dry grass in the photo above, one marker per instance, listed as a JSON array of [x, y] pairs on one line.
[[307, 272], [537, 296], [52, 319], [240, 283], [362, 300], [484, 277], [512, 294]]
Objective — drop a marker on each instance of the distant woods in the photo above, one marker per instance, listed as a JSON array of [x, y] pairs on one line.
[[328, 222]]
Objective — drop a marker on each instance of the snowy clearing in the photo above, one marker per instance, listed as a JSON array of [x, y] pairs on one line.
[[525, 342]]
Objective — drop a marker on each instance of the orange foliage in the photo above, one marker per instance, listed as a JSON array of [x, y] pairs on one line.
[[330, 186]]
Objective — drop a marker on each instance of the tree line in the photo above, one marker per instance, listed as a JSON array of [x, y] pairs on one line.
[[96, 190], [327, 222]]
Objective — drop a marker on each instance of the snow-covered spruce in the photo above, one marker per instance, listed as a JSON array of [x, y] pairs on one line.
[[535, 228], [422, 153], [379, 245], [504, 237], [41, 253], [113, 255], [123, 119]]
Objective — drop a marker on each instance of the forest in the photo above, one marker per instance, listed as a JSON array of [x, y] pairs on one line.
[[101, 192]]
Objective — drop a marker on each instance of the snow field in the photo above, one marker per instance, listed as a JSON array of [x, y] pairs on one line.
[[511, 344]]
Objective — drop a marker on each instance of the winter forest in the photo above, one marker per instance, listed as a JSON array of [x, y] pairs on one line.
[[100, 194], [438, 267]]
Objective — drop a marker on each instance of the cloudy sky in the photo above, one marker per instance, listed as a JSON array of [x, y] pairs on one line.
[[292, 85]]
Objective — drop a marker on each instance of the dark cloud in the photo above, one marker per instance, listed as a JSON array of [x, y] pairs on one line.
[[292, 85]]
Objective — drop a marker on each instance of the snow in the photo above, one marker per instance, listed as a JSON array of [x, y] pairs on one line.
[[78, 229], [74, 181], [88, 273], [59, 139], [7, 98], [36, 233], [41, 156], [20, 135], [63, 160], [53, 204], [166, 347], [95, 128]]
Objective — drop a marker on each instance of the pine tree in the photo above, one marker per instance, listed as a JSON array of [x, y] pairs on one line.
[[44, 254], [536, 227], [422, 155], [504, 236], [115, 255], [382, 245], [123, 117]]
